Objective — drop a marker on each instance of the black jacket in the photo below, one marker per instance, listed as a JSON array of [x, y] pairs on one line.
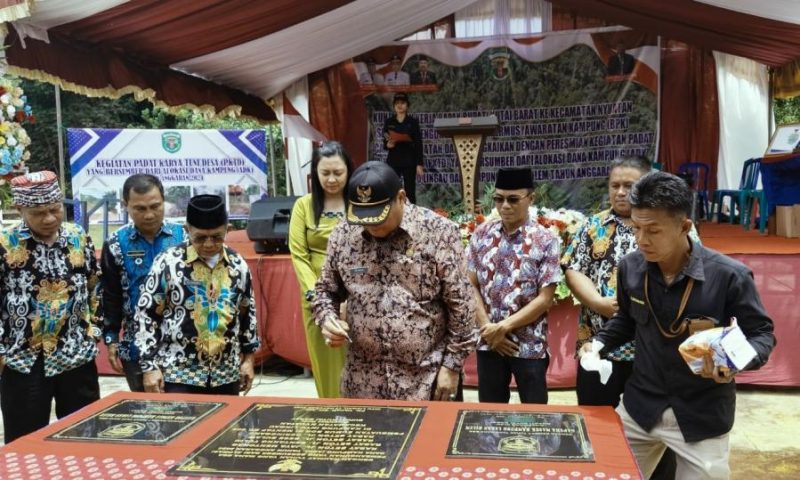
[[723, 288], [404, 154]]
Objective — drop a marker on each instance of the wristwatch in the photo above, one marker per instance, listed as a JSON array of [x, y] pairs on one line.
[[110, 338], [309, 295]]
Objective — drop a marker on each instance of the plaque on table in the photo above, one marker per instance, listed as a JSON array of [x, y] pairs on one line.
[[142, 422], [308, 441], [545, 436]]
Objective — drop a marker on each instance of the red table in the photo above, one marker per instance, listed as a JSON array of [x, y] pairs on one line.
[[32, 457]]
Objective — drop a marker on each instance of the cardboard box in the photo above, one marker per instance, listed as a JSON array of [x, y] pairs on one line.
[[788, 220]]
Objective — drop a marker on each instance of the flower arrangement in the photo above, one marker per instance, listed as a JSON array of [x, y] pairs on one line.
[[14, 140]]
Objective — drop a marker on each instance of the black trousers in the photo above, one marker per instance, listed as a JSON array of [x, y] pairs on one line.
[[134, 376], [26, 398], [494, 378], [227, 389], [409, 177], [591, 392]]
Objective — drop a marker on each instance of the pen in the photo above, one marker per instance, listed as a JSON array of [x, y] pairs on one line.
[[338, 325]]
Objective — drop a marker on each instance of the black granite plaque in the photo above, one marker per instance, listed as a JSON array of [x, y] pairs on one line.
[[139, 422], [309, 441], [521, 435]]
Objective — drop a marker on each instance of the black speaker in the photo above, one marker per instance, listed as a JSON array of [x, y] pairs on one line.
[[268, 225]]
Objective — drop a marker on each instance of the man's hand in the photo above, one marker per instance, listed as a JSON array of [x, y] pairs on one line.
[[446, 385], [420, 170], [2, 364], [153, 381], [113, 357], [335, 336], [718, 374], [390, 144], [246, 374], [496, 337], [606, 307], [585, 348]]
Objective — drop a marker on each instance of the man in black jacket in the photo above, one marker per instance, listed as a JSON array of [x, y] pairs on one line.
[[664, 289]]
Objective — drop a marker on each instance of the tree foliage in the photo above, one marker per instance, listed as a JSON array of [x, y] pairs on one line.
[[78, 111], [787, 110]]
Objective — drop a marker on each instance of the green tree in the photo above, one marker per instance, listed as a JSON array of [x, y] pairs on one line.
[[78, 111], [787, 110]]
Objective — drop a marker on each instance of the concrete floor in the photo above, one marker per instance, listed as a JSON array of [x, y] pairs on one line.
[[764, 441]]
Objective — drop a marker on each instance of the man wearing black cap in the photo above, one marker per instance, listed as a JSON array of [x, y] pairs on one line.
[[397, 76], [514, 269], [196, 316], [403, 139], [371, 76], [410, 311]]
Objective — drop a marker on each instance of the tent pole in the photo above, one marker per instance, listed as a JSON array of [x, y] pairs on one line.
[[272, 161], [61, 167]]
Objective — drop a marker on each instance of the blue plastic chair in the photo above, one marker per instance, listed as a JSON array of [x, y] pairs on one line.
[[699, 172], [743, 197]]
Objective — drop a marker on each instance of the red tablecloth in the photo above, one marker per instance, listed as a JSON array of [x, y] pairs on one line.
[[32, 457]]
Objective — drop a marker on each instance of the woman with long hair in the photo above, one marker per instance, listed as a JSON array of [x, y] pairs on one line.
[[313, 218]]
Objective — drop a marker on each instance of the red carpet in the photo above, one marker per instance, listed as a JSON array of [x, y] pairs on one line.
[[732, 239]]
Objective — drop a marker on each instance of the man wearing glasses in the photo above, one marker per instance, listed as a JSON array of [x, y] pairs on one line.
[[196, 316], [514, 269]]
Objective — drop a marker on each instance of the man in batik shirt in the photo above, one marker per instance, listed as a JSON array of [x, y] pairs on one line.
[[48, 338], [196, 318], [127, 256], [514, 270], [591, 273], [410, 313]]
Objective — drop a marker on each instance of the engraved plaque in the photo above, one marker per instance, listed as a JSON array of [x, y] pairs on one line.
[[139, 422], [309, 441]]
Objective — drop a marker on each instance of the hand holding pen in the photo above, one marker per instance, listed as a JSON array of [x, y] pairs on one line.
[[335, 332]]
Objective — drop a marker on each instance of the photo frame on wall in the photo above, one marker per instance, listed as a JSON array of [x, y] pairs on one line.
[[785, 141]]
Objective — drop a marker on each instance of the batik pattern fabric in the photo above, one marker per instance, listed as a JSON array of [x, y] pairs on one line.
[[512, 269], [595, 252], [410, 308], [193, 321], [125, 262], [48, 300]]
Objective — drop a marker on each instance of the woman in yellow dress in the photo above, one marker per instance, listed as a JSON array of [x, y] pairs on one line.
[[313, 218]]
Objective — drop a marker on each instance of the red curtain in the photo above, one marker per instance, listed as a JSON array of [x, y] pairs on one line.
[[689, 108], [337, 108]]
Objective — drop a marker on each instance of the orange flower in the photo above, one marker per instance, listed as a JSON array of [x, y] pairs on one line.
[[479, 218], [442, 212]]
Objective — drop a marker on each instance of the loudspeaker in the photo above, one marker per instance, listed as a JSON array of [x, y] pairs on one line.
[[268, 225]]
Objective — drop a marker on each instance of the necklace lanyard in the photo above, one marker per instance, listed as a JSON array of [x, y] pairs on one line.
[[677, 327]]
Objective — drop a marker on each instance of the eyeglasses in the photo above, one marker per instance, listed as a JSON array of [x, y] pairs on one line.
[[511, 199], [202, 239]]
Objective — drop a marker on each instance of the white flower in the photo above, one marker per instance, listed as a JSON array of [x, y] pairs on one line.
[[4, 99], [11, 141], [10, 110]]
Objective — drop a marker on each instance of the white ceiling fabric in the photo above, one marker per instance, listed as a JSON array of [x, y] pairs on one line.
[[266, 66], [781, 10]]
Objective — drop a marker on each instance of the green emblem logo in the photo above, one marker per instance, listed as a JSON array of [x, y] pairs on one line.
[[171, 141]]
